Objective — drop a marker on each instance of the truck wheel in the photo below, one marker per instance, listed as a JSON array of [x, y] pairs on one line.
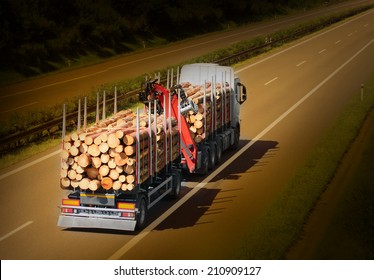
[[219, 151], [176, 191], [235, 145], [141, 216]]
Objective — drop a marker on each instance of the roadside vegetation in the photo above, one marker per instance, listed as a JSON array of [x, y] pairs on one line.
[[19, 122], [40, 36], [282, 223], [351, 229]]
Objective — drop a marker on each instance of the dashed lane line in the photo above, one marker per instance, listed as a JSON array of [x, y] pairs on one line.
[[301, 63], [272, 80]]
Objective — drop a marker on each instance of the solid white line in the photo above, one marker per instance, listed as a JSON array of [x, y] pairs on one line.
[[322, 51], [272, 80], [301, 63], [301, 43], [29, 164], [16, 230], [130, 244], [337, 42], [19, 107]]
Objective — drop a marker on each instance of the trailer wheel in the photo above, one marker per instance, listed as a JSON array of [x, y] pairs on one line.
[[175, 192], [212, 156], [141, 216], [204, 169]]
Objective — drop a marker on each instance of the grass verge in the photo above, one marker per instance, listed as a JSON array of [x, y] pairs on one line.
[[282, 223], [349, 234]]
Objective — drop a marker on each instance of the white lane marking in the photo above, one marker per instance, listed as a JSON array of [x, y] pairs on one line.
[[2, 176], [16, 230], [350, 34], [301, 63], [130, 244], [272, 80], [337, 42], [366, 25], [301, 43], [322, 51], [20, 107]]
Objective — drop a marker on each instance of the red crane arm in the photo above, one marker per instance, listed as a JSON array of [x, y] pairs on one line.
[[188, 145]]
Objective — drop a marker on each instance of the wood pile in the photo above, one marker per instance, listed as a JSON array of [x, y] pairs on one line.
[[106, 155], [216, 112]]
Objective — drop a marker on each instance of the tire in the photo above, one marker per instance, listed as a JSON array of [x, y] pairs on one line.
[[141, 216], [235, 145], [219, 151], [205, 163], [212, 157], [175, 193]]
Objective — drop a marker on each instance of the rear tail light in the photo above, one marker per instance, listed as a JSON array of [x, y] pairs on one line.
[[67, 210], [128, 214]]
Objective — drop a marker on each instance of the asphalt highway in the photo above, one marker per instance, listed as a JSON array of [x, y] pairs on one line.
[[55, 88], [295, 94]]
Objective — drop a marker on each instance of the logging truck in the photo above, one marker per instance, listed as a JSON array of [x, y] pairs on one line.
[[115, 171]]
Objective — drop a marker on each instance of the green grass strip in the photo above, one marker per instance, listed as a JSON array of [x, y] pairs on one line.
[[282, 223]]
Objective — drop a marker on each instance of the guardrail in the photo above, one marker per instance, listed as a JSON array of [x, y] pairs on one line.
[[11, 140]]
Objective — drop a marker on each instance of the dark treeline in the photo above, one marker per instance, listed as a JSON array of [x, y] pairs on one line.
[[35, 33]]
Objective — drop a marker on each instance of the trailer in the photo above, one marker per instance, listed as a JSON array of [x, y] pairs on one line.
[[128, 167]]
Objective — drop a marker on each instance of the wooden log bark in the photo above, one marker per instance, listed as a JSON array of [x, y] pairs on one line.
[[113, 141], [117, 185], [94, 185], [103, 147], [83, 184], [106, 183], [104, 170], [120, 159], [113, 174], [96, 162], [92, 172], [65, 182], [84, 160], [94, 150]]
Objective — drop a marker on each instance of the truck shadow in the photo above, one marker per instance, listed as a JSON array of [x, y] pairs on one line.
[[200, 204]]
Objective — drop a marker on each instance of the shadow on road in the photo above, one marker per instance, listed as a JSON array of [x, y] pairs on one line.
[[192, 210]]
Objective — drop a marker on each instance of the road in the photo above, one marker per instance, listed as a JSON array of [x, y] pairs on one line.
[[295, 93], [54, 88]]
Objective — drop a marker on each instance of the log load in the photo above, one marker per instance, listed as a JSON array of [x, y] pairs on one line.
[[105, 156], [205, 121]]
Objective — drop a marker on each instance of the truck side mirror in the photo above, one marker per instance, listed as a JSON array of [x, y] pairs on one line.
[[242, 93]]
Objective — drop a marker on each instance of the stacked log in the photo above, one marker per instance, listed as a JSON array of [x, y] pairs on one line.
[[106, 155], [205, 121]]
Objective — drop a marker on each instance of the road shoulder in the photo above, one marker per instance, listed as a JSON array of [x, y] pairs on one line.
[[322, 236]]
